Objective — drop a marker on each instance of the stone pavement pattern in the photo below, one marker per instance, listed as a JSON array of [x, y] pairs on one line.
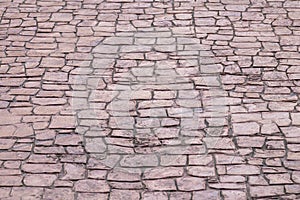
[[150, 99]]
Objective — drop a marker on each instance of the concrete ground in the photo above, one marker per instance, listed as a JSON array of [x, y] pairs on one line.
[[149, 99]]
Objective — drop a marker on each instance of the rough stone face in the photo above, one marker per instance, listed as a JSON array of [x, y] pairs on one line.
[[232, 194], [274, 76], [201, 171], [92, 196], [279, 178], [42, 168], [290, 40], [59, 193], [52, 62], [243, 169], [123, 194], [250, 141], [6, 143], [106, 49], [249, 128], [296, 176], [10, 155], [265, 191], [123, 175], [218, 143], [190, 184], [102, 96], [68, 139], [95, 145], [157, 173], [206, 194], [61, 17], [27, 192], [264, 62], [155, 195], [73, 172], [139, 161], [291, 131], [160, 184], [295, 118], [92, 186], [9, 181], [39, 179], [62, 122]]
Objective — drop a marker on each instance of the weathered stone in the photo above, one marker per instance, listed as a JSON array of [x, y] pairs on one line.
[[233, 194], [8, 119], [59, 17], [52, 62], [279, 178], [73, 172], [40, 180], [266, 191], [24, 131], [190, 183], [62, 122], [291, 131], [59, 193], [102, 96], [290, 40], [250, 141], [264, 62], [123, 194], [274, 76], [167, 172], [95, 145], [11, 181], [42, 168], [103, 63], [243, 170], [92, 196], [93, 186], [121, 122], [206, 194], [139, 161], [6, 143], [68, 139], [154, 195], [106, 49], [295, 118], [56, 76], [27, 192], [12, 155], [218, 143], [119, 174], [160, 185], [201, 171], [249, 128]]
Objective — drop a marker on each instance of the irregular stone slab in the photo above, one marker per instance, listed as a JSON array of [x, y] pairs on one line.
[[62, 122], [139, 161], [93, 186], [44, 180], [6, 143], [95, 145], [290, 40], [52, 62], [59, 193], [265, 191]]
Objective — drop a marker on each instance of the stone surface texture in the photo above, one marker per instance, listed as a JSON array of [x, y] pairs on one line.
[[149, 99]]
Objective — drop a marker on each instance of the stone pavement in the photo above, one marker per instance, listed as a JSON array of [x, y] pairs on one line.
[[149, 99]]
